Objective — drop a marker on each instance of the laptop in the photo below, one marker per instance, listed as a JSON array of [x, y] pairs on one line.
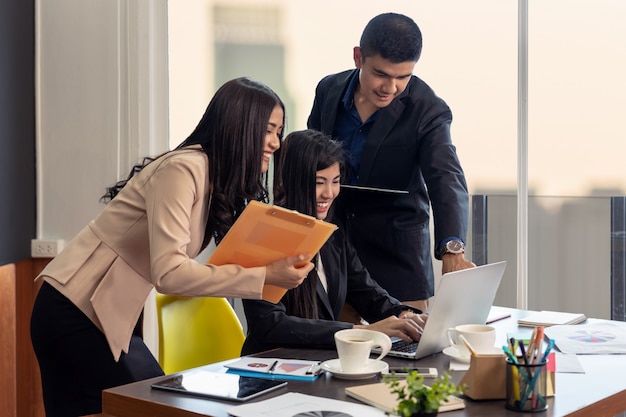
[[462, 297]]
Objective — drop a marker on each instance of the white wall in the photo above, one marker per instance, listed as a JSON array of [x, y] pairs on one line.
[[101, 104]]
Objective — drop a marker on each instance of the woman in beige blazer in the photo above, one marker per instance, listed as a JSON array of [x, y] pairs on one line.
[[154, 225]]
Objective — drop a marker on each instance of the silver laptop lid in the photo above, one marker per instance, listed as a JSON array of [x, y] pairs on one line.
[[462, 297]]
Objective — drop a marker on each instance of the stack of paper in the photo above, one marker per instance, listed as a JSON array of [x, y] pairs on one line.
[[547, 318]]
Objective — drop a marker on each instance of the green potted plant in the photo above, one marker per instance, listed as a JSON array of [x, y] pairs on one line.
[[416, 399]]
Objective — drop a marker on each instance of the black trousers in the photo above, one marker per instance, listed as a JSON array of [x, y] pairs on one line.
[[74, 358]]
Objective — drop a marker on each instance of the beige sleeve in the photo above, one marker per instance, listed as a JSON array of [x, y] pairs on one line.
[[171, 194]]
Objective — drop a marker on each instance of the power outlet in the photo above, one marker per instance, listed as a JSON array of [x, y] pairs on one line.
[[45, 248]]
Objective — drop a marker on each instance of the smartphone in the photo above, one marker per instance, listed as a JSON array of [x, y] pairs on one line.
[[403, 370]]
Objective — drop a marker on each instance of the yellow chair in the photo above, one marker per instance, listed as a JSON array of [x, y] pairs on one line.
[[195, 331]]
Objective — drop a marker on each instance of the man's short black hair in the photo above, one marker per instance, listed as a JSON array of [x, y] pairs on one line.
[[395, 37]]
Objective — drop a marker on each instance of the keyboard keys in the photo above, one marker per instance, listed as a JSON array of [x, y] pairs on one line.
[[402, 346]]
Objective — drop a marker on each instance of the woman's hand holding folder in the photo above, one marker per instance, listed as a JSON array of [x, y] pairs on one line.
[[286, 274]]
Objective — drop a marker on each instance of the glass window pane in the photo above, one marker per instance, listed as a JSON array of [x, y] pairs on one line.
[[577, 62]]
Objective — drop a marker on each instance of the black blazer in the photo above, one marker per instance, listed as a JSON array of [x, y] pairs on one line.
[[408, 148], [269, 326]]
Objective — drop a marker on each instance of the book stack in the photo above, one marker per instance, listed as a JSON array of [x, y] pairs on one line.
[[547, 318]]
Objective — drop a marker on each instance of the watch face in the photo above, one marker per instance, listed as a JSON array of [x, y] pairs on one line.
[[454, 246]]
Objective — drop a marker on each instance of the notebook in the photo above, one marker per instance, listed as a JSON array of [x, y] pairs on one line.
[[380, 396], [275, 368], [551, 318], [462, 297]]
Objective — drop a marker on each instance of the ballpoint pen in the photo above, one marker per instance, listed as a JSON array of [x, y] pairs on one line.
[[513, 345], [467, 345], [537, 345], [314, 369], [548, 350], [531, 347], [273, 367], [509, 355], [523, 350]]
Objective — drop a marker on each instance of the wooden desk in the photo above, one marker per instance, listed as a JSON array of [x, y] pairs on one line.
[[600, 392]]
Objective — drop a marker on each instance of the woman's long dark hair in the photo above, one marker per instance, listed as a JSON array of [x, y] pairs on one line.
[[302, 154], [232, 133]]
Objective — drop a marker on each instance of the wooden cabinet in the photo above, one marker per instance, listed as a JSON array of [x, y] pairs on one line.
[[20, 385]]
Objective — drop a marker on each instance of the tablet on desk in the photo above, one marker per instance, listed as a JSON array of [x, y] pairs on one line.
[[218, 385]]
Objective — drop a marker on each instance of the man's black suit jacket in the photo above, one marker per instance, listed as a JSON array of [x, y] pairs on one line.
[[409, 148]]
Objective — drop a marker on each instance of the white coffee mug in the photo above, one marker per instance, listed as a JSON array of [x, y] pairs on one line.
[[481, 338], [354, 347]]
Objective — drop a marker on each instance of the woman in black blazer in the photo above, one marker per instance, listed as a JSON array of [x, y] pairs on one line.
[[311, 165]]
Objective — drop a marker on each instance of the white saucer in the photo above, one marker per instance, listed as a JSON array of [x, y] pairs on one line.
[[373, 368], [454, 353]]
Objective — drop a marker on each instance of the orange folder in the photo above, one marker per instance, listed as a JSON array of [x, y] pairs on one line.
[[266, 233]]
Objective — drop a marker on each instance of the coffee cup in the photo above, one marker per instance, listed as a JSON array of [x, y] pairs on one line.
[[480, 337], [354, 347]]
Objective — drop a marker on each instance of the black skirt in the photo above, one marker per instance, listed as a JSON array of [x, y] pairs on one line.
[[75, 360]]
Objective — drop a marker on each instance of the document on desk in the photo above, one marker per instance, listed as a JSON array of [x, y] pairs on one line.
[[567, 363], [295, 404], [595, 338]]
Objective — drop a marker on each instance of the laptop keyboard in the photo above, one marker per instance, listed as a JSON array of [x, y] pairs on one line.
[[402, 346]]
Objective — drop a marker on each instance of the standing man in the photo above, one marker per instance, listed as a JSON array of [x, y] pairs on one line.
[[396, 135]]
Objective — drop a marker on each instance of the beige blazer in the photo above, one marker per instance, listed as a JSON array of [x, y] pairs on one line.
[[148, 236]]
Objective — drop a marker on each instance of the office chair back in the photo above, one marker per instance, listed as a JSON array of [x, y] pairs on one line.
[[195, 331]]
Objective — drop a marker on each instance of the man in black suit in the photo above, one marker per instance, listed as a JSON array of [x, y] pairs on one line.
[[396, 135]]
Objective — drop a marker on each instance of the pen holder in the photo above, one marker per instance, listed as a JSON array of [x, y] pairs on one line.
[[485, 379], [526, 386]]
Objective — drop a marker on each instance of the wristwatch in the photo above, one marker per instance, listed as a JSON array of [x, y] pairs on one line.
[[454, 247]]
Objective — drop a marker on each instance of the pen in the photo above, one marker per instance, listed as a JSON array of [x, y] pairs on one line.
[[531, 346], [497, 318], [547, 352], [271, 370], [314, 369], [538, 341], [513, 345], [467, 345], [510, 355], [523, 350]]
